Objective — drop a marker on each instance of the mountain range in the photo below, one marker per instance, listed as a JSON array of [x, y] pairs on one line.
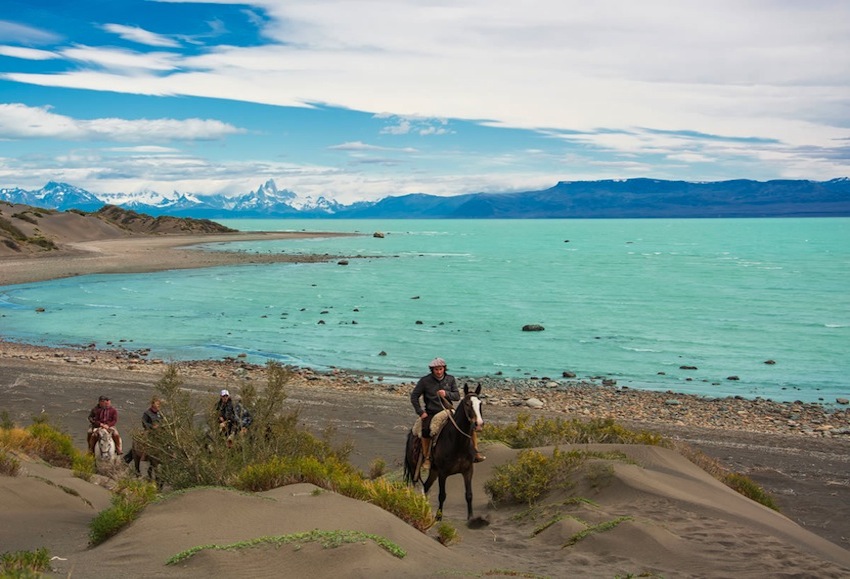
[[626, 198]]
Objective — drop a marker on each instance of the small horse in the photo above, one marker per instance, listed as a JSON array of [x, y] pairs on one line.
[[453, 451], [104, 448]]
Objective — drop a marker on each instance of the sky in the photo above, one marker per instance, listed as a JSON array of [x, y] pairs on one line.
[[363, 99]]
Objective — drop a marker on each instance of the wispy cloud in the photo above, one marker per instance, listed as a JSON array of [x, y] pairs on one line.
[[141, 36], [18, 121]]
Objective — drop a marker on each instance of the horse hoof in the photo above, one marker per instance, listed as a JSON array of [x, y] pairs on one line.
[[477, 523]]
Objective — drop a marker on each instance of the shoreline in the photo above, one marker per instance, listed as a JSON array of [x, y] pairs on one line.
[[805, 470], [146, 254]]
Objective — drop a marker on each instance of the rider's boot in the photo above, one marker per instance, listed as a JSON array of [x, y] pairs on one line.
[[90, 441], [426, 452], [478, 456], [117, 440]]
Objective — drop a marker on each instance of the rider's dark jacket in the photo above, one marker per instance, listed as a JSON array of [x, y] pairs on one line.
[[108, 416], [427, 387], [149, 418]]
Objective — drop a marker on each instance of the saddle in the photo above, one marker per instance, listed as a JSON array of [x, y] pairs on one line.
[[437, 423]]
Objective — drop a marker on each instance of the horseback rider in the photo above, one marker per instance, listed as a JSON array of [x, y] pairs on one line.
[[150, 421], [104, 415], [439, 390]]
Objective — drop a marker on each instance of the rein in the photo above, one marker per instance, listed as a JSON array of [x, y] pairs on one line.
[[452, 418]]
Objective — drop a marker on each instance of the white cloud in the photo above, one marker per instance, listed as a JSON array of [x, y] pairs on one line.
[[27, 53], [141, 36], [361, 146], [23, 34], [19, 121]]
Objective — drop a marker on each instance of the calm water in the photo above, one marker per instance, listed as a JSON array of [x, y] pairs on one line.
[[627, 299]]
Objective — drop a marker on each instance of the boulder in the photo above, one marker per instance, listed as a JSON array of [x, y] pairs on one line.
[[533, 328]]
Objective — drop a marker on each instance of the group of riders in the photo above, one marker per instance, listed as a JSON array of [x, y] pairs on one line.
[[233, 418], [437, 389]]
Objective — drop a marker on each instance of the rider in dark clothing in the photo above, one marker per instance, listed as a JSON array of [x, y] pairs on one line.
[[227, 419], [439, 390]]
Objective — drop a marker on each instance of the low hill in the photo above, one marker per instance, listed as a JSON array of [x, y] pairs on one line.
[[27, 230]]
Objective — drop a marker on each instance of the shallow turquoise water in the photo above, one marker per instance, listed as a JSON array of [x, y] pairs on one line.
[[627, 299]]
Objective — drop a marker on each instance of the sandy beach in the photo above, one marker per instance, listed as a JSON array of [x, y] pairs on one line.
[[677, 521]]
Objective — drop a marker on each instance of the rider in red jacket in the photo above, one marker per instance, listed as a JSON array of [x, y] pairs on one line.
[[103, 416]]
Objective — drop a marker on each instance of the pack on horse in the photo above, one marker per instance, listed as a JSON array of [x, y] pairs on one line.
[[453, 451]]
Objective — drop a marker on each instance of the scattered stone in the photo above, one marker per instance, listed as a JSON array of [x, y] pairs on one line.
[[533, 328], [688, 368], [567, 374], [842, 401], [534, 403], [382, 353], [733, 378], [342, 262], [39, 310], [770, 362], [378, 235], [673, 402]]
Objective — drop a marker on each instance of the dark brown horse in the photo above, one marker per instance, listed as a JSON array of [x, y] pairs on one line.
[[452, 453], [140, 453]]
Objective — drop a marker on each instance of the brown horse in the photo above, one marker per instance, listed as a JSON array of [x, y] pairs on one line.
[[453, 451], [140, 453]]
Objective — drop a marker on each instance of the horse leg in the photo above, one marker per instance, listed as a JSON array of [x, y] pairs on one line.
[[441, 497], [467, 483], [137, 459]]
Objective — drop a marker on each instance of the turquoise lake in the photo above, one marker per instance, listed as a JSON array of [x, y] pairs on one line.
[[633, 300]]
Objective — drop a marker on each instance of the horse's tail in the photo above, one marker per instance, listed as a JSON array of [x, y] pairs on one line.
[[410, 458]]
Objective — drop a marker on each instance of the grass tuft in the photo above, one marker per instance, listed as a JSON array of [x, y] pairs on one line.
[[328, 539]]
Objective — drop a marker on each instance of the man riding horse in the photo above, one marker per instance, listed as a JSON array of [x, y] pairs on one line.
[[103, 416], [439, 390]]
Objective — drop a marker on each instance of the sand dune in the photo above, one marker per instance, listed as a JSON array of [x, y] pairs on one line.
[[677, 521]]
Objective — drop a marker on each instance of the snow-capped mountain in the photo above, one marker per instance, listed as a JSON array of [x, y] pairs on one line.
[[611, 198], [54, 196]]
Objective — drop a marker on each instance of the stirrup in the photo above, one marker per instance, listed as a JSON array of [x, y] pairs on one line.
[[479, 457]]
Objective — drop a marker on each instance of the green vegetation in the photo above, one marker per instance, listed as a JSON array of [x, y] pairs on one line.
[[20, 564], [447, 534], [9, 465], [42, 440], [377, 468], [129, 498], [747, 487], [328, 539], [546, 432], [533, 474], [600, 528], [9, 228]]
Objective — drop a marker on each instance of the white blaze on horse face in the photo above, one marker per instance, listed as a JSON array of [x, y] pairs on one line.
[[476, 405]]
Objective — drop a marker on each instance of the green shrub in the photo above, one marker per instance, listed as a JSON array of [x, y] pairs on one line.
[[447, 534], [6, 225], [50, 444], [532, 474], [377, 468], [9, 464], [25, 563], [750, 489], [551, 431], [83, 466], [130, 497]]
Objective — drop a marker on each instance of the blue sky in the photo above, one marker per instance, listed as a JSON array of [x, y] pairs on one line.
[[356, 99]]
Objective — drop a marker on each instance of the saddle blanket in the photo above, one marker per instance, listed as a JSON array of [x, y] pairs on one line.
[[436, 424]]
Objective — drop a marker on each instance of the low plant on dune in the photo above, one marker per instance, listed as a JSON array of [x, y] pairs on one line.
[[328, 539], [331, 474], [25, 563], [533, 474], [592, 530], [377, 468], [526, 433], [9, 464], [447, 534], [42, 440], [129, 498], [83, 466], [750, 489]]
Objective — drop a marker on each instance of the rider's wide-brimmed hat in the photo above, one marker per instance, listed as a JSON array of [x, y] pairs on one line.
[[225, 393], [437, 363]]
